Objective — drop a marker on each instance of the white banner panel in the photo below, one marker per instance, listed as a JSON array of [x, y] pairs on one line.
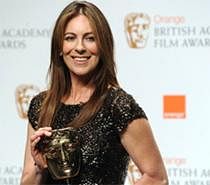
[[163, 60]]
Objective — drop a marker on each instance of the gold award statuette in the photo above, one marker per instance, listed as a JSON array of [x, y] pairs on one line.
[[62, 153]]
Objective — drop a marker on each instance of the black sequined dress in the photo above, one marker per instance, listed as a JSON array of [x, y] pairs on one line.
[[104, 159]]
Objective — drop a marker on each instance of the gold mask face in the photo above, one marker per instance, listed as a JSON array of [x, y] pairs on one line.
[[62, 153]]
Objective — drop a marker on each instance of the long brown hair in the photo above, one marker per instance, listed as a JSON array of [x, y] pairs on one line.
[[59, 77]]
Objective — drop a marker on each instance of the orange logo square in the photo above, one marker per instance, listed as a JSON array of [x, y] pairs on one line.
[[174, 106]]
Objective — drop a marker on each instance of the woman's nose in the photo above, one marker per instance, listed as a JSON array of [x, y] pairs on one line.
[[80, 48]]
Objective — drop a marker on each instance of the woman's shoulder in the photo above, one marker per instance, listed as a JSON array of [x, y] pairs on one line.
[[118, 94], [124, 108], [34, 108], [38, 98]]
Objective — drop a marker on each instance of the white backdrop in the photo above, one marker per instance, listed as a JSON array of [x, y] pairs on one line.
[[169, 76]]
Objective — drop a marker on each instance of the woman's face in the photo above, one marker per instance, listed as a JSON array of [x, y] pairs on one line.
[[80, 50]]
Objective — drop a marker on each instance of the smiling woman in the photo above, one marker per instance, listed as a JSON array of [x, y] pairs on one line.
[[84, 96], [80, 50]]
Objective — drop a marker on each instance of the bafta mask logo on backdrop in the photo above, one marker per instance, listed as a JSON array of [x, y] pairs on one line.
[[23, 95], [133, 173], [137, 29]]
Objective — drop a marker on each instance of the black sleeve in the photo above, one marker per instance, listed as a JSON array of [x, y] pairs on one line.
[[34, 109], [125, 110]]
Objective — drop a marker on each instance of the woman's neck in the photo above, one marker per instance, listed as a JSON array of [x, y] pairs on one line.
[[80, 93]]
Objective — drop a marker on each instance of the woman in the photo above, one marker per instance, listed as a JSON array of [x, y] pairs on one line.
[[84, 93]]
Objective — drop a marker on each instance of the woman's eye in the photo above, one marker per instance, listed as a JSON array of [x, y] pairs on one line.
[[69, 38], [91, 38]]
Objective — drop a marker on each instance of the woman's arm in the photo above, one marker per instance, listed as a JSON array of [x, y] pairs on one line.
[[32, 173], [139, 142]]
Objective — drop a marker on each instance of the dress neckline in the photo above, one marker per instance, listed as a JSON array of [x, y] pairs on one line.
[[110, 89], [72, 105]]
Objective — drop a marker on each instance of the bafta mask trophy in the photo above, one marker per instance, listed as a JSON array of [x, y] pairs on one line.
[[62, 153]]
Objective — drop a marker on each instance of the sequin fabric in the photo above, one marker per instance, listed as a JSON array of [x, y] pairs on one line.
[[104, 159]]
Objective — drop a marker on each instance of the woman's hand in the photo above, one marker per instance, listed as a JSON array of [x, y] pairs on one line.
[[38, 157]]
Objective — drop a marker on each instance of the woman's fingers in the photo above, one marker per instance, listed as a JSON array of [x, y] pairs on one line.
[[34, 142], [40, 161], [35, 138], [45, 131]]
